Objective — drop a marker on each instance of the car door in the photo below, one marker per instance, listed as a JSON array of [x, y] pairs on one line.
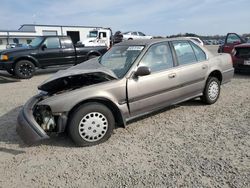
[[158, 89], [192, 68], [232, 39], [68, 54], [134, 35], [50, 52]]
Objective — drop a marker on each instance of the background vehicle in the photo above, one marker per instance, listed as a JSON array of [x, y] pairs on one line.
[[241, 57], [99, 37], [90, 99], [232, 39], [14, 45], [135, 35], [43, 52], [118, 37], [197, 40]]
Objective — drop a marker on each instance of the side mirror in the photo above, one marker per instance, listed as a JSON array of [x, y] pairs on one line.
[[43, 47], [142, 71]]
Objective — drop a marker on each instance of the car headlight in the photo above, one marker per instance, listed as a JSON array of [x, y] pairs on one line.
[[233, 52], [4, 57]]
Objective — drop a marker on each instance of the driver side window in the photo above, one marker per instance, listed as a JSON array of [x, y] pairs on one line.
[[158, 57], [233, 38]]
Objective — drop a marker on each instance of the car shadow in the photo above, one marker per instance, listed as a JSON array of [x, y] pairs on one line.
[[242, 75], [8, 134], [192, 102], [5, 77], [50, 70]]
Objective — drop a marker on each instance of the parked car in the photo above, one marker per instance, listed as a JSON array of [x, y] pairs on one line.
[[241, 57], [232, 39], [197, 40], [14, 45], [135, 35], [132, 79], [43, 52], [118, 37]]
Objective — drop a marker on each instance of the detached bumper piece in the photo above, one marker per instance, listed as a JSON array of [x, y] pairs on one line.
[[27, 127]]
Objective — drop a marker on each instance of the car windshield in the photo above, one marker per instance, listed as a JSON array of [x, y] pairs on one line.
[[36, 42], [93, 34], [120, 58]]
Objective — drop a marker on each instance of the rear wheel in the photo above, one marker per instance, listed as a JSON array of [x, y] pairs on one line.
[[91, 124], [212, 91], [24, 69]]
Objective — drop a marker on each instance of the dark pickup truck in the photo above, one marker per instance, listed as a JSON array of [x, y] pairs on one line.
[[44, 52]]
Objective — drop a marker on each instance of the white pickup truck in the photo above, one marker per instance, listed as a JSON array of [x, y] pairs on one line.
[[99, 37]]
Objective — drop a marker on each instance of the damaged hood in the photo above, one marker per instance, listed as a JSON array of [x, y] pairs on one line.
[[88, 70]]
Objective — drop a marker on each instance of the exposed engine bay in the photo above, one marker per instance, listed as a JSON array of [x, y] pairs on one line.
[[44, 118], [69, 83]]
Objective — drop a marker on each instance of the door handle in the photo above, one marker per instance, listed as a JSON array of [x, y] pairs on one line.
[[172, 75]]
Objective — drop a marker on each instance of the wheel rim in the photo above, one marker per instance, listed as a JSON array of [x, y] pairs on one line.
[[213, 90], [26, 69], [93, 126]]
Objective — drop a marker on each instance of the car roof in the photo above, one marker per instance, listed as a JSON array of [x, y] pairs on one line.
[[147, 42]]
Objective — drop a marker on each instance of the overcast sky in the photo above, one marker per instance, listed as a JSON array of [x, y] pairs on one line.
[[154, 17]]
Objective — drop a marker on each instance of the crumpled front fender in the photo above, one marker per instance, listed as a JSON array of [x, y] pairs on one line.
[[27, 127]]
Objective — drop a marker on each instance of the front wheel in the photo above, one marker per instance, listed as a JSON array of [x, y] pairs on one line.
[[91, 124], [212, 91], [10, 71], [24, 69], [92, 56]]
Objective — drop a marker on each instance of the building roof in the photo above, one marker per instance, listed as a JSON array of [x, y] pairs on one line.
[[44, 25], [18, 31]]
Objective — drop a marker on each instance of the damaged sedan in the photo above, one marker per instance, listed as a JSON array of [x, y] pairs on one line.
[[132, 79]]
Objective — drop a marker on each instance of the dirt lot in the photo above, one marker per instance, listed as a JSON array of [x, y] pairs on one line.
[[187, 145]]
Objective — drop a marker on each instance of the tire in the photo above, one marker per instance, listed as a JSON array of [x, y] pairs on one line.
[[92, 56], [10, 71], [212, 91], [24, 69], [130, 39], [91, 124]]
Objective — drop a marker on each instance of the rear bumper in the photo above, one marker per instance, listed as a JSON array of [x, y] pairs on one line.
[[27, 128], [227, 75]]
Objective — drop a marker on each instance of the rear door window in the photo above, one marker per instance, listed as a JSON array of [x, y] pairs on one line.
[[199, 53], [141, 34], [66, 43], [52, 42], [184, 52]]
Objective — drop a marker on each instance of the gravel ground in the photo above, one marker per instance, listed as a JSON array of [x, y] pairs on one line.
[[187, 145]]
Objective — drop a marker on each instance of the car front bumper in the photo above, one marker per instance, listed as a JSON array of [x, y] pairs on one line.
[[6, 65], [27, 127]]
